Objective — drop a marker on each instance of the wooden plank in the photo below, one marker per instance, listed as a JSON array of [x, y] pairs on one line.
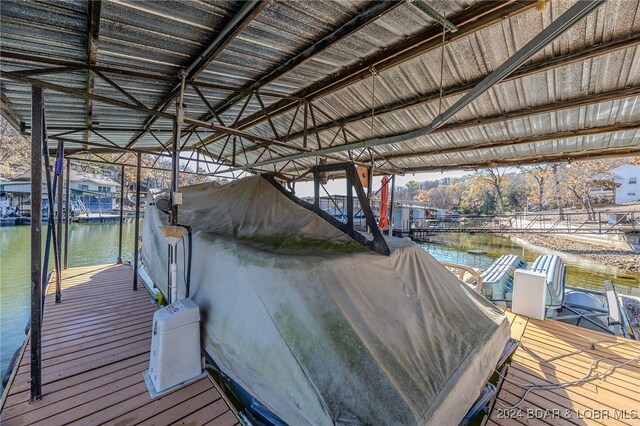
[[227, 419], [206, 414], [605, 389], [622, 349], [111, 412], [54, 412], [569, 330], [83, 381], [555, 353], [567, 399], [582, 358], [72, 391], [161, 404], [521, 414], [184, 409], [94, 354], [517, 323]]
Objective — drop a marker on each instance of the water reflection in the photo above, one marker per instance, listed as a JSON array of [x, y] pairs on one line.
[[580, 272], [90, 244]]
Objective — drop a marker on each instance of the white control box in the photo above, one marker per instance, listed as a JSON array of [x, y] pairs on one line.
[[529, 293], [175, 345]]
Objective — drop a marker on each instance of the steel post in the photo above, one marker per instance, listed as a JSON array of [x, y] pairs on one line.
[[136, 241], [121, 214], [51, 227], [393, 193], [350, 200], [67, 213], [60, 188], [36, 241]]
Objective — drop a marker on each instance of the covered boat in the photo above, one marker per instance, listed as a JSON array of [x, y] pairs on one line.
[[318, 328]]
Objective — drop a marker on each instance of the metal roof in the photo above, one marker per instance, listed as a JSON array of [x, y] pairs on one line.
[[111, 74]]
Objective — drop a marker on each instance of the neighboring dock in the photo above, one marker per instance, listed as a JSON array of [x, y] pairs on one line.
[[554, 353], [95, 348]]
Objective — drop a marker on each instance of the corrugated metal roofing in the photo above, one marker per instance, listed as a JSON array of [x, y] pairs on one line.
[[159, 38]]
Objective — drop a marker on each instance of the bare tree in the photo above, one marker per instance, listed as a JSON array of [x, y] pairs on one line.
[[496, 179], [14, 151]]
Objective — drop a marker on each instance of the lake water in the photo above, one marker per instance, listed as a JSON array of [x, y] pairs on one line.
[[580, 272], [90, 244], [93, 244]]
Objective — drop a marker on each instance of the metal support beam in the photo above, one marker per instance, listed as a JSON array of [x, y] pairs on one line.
[[60, 188], [175, 172], [136, 241], [94, 8], [372, 12], [238, 21], [378, 244], [110, 101], [469, 21], [37, 138], [393, 194], [541, 137], [524, 71], [349, 179], [121, 214], [52, 236], [538, 159], [67, 213], [574, 14], [9, 114]]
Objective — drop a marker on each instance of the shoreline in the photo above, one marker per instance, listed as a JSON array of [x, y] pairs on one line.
[[625, 259]]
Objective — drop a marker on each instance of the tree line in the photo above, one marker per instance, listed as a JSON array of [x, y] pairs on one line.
[[531, 188]]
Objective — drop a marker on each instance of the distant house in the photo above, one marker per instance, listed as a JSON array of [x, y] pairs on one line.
[[97, 192], [628, 178]]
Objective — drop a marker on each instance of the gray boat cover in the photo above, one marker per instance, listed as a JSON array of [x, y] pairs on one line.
[[320, 329]]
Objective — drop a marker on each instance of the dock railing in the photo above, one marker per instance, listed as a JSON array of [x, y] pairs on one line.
[[567, 223]]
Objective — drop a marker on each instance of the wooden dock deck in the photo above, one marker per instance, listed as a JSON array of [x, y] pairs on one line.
[[95, 349], [553, 353]]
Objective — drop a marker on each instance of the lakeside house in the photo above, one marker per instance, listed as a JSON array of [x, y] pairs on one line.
[[628, 177], [619, 185], [98, 192]]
